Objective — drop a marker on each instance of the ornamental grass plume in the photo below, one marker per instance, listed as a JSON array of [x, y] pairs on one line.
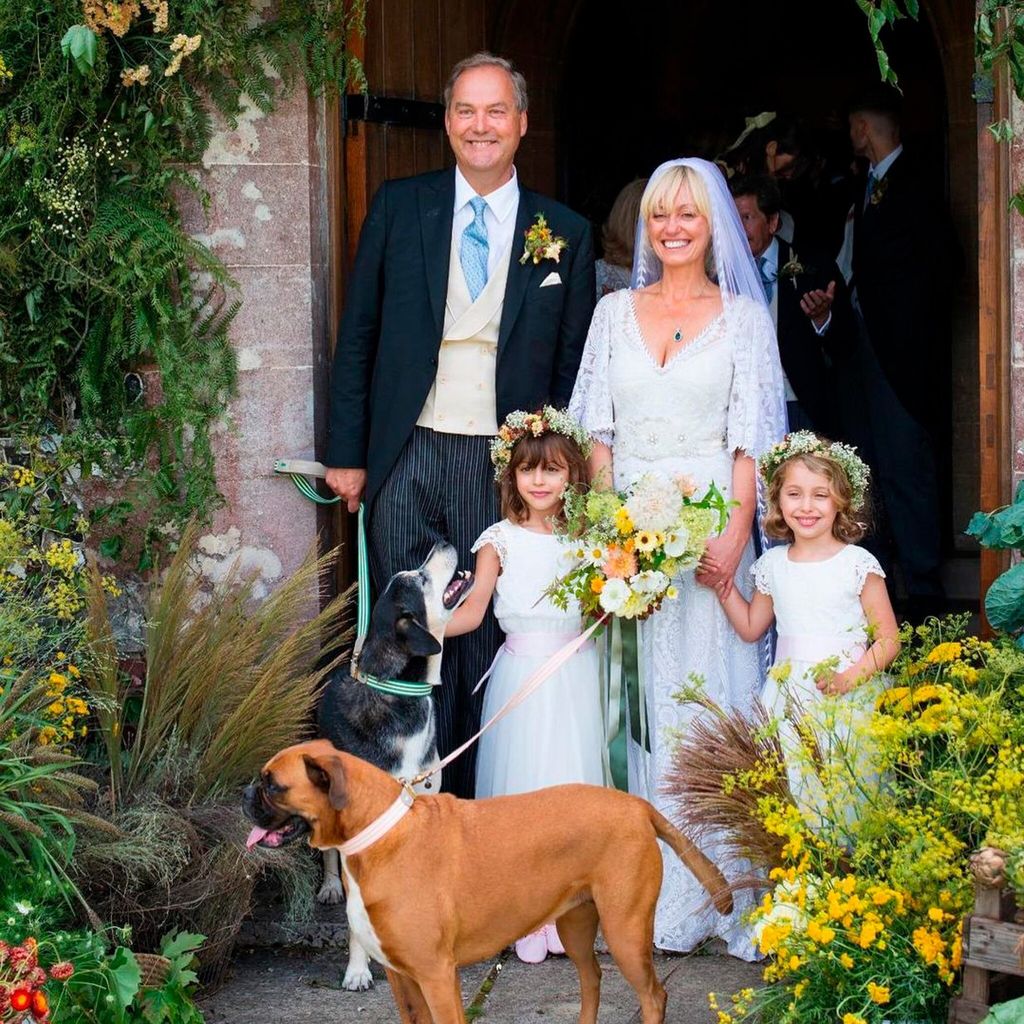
[[229, 681], [720, 747]]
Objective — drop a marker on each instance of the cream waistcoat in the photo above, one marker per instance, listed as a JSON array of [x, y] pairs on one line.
[[461, 400]]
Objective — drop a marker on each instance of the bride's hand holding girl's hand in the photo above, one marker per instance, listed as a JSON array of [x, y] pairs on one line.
[[720, 560]]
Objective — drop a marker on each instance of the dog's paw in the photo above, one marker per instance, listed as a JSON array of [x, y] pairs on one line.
[[332, 891], [357, 978]]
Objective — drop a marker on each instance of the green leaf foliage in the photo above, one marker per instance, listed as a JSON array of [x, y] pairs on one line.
[[1004, 602], [881, 14], [1006, 1013], [104, 106], [1003, 528]]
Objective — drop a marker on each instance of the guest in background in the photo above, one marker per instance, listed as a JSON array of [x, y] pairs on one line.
[[809, 304], [776, 146], [903, 256], [617, 237]]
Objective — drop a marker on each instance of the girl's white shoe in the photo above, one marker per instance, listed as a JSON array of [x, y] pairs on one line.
[[532, 948], [554, 943]]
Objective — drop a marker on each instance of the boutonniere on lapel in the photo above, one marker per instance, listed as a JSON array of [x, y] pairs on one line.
[[541, 244], [881, 187], [792, 269]]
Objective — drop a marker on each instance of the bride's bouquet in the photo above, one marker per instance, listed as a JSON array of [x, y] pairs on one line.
[[624, 547]]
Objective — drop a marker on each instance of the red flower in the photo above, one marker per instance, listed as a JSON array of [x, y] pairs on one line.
[[37, 977], [21, 999], [62, 971], [40, 1005]]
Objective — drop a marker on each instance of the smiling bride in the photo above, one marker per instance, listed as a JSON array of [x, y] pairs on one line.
[[681, 376]]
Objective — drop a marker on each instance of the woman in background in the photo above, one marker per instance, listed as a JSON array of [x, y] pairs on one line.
[[617, 237]]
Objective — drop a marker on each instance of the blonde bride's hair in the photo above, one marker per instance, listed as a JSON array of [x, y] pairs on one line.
[[660, 196]]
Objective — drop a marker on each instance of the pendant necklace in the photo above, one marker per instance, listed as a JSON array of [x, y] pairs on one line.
[[677, 335]]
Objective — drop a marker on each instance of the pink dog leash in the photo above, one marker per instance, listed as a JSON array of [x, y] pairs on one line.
[[528, 645], [552, 665], [380, 826]]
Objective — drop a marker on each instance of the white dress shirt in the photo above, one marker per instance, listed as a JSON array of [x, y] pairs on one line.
[[499, 215], [879, 169]]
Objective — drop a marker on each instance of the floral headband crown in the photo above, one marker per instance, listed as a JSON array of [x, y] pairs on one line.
[[806, 442], [518, 424]]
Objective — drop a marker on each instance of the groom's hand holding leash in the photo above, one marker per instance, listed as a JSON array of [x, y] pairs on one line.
[[348, 484]]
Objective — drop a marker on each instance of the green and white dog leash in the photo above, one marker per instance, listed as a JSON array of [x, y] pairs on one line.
[[295, 469]]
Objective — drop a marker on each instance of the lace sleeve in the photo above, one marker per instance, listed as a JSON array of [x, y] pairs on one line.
[[864, 564], [761, 570], [591, 402], [757, 405], [495, 536]]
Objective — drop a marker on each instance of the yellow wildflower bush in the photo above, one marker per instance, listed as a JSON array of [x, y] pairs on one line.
[[863, 918]]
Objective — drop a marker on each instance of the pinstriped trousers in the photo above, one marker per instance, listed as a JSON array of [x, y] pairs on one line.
[[442, 488]]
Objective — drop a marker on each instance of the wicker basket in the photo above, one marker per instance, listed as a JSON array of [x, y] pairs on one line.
[[155, 969]]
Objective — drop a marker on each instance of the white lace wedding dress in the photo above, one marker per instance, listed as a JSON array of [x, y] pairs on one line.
[[688, 416]]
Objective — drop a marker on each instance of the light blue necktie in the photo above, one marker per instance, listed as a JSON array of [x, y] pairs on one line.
[[766, 282], [473, 250], [870, 190]]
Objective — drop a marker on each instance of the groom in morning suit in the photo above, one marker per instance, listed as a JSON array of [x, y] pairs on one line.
[[444, 333]]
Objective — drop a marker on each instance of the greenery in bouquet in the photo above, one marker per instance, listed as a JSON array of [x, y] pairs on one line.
[[624, 548], [868, 877]]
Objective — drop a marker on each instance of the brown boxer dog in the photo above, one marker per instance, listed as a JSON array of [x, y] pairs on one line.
[[455, 881]]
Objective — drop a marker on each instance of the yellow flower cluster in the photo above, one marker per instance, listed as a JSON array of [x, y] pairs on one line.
[[109, 14], [135, 76], [181, 46], [21, 476], [5, 72], [66, 711]]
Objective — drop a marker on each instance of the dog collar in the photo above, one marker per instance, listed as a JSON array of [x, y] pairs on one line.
[[397, 687], [379, 827]]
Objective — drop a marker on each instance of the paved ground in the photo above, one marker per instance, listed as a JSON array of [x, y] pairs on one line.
[[300, 986]]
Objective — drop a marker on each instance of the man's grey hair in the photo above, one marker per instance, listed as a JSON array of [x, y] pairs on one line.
[[483, 59]]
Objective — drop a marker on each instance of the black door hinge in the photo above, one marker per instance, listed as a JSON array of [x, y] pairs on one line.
[[392, 110]]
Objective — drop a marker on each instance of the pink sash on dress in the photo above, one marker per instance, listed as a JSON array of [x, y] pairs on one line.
[[531, 645], [816, 647]]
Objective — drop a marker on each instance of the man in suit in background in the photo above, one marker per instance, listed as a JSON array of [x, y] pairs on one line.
[[444, 333], [809, 304], [902, 261]]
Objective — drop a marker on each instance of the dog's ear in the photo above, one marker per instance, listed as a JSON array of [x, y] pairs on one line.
[[418, 639], [329, 776]]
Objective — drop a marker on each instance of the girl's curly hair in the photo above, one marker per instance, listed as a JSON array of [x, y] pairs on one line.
[[845, 527]]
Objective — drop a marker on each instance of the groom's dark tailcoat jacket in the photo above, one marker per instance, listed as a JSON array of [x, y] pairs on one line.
[[386, 357]]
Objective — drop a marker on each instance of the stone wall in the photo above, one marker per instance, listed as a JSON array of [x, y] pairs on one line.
[[262, 224]]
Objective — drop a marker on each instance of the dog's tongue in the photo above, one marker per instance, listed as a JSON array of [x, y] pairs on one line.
[[255, 836]]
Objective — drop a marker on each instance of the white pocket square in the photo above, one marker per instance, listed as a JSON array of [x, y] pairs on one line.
[[553, 278]]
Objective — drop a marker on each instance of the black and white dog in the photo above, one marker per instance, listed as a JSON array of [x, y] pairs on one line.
[[397, 734]]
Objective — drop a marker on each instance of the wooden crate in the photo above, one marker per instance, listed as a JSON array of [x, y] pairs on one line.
[[993, 951]]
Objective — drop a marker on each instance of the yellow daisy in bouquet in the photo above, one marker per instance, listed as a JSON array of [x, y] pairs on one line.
[[623, 548]]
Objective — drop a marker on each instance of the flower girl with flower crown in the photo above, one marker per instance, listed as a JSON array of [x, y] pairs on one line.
[[556, 735], [827, 596]]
